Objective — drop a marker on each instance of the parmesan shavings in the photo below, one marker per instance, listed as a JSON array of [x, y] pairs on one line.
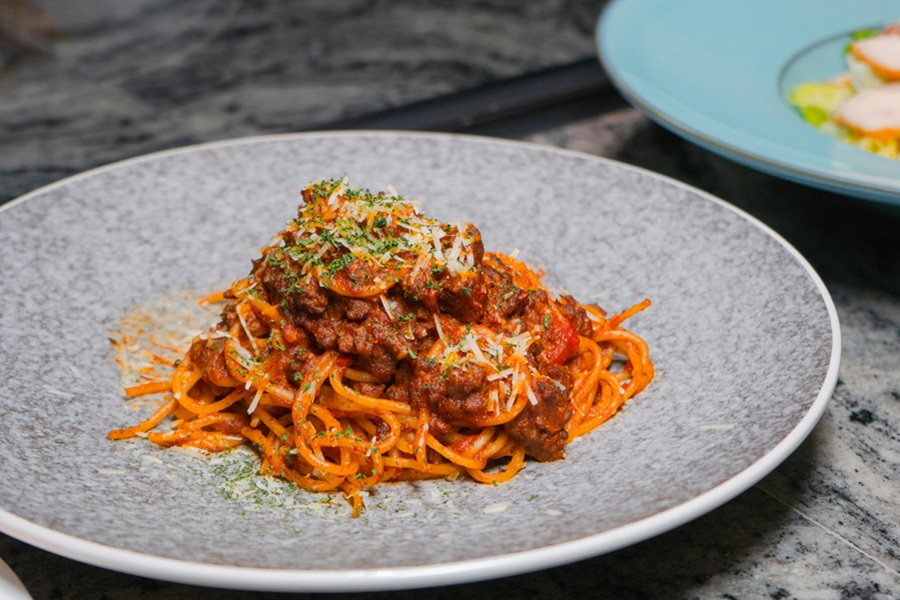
[[387, 306], [530, 393], [440, 330], [253, 405], [247, 331]]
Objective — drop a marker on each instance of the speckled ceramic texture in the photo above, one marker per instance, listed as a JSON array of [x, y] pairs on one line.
[[744, 338]]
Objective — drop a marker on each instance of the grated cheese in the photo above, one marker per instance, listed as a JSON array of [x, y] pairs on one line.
[[495, 508], [256, 398], [531, 397], [59, 393], [593, 317], [386, 304], [500, 375], [247, 331], [440, 330]]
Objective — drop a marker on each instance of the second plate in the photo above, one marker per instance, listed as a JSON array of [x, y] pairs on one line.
[[716, 72]]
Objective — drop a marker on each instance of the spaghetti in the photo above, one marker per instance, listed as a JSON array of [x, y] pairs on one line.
[[370, 343]]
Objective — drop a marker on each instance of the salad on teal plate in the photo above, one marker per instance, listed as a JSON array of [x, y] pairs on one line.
[[862, 105]]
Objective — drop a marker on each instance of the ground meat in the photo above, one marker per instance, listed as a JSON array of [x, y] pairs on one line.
[[382, 430], [294, 360], [354, 326], [503, 299], [540, 427], [476, 243], [380, 362], [209, 356], [367, 389], [287, 286], [415, 319], [253, 324], [577, 315], [358, 308], [456, 396], [399, 388], [374, 341], [537, 307], [463, 297]]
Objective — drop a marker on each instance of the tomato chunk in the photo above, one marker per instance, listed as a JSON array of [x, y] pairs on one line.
[[560, 339]]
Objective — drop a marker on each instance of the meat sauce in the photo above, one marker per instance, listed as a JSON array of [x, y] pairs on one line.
[[391, 336]]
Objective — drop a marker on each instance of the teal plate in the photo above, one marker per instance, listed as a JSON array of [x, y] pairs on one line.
[[717, 73]]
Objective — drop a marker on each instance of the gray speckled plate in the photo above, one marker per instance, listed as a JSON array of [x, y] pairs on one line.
[[743, 333]]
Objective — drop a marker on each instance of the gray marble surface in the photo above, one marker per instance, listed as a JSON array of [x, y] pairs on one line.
[[152, 75]]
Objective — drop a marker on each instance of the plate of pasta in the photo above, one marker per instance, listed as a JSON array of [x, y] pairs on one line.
[[362, 361], [760, 82]]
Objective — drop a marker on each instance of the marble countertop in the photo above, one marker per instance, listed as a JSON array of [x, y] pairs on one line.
[[102, 82]]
